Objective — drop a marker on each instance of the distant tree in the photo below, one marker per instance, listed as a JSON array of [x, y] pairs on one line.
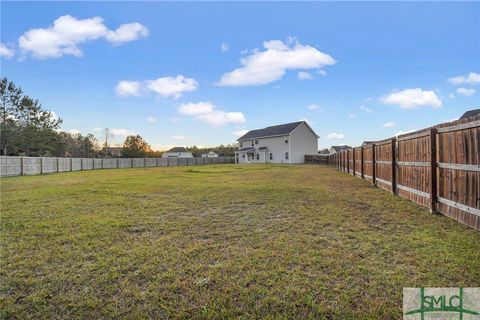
[[135, 147], [25, 126]]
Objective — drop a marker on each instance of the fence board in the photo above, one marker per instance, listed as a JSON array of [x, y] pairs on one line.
[[437, 167]]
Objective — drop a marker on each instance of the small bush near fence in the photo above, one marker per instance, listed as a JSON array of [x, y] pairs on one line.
[[18, 166], [404, 166]]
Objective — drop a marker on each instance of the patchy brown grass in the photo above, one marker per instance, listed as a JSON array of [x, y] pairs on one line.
[[216, 242]]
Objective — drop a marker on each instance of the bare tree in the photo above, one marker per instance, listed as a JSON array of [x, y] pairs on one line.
[[108, 137]]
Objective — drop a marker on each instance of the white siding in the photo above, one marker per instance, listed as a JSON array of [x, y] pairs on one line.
[[177, 155], [303, 141]]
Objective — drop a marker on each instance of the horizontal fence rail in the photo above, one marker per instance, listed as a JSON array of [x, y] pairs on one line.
[[25, 166], [438, 167]]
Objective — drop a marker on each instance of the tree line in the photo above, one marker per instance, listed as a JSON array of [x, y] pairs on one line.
[[28, 129]]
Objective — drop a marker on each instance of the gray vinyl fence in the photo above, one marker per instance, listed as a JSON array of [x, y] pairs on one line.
[[27, 166]]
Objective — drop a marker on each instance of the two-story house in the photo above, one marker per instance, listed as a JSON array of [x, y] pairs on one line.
[[285, 143], [177, 152]]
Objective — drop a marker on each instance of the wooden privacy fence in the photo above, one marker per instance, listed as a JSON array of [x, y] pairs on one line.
[[20, 166], [438, 168]]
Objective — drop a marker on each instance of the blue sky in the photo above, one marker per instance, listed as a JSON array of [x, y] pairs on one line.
[[355, 71]]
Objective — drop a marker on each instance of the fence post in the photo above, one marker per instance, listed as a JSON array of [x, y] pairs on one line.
[[144, 162], [433, 169], [41, 165], [361, 162], [353, 161], [394, 165], [21, 166], [374, 173], [71, 164], [58, 167], [81, 164], [131, 162], [117, 163]]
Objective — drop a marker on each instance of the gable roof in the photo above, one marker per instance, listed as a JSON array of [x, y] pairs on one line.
[[470, 113], [340, 148], [178, 149], [272, 131]]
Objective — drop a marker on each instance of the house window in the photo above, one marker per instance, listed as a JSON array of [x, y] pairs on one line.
[[286, 155], [252, 143], [271, 156], [243, 156], [256, 141], [258, 156], [241, 144], [286, 139]]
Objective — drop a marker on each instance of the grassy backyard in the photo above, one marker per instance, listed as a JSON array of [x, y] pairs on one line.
[[220, 242]]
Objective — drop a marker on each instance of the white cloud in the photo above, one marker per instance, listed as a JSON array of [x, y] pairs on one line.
[[206, 112], [165, 86], [389, 125], [471, 78], [178, 137], [313, 107], [127, 88], [126, 33], [239, 133], [5, 51], [74, 131], [404, 132], [412, 99], [351, 115], [54, 116], [335, 136], [151, 120], [196, 109], [271, 64], [224, 47], [322, 72], [466, 92], [366, 109], [97, 129], [451, 95], [303, 75], [121, 133], [67, 33], [172, 86]]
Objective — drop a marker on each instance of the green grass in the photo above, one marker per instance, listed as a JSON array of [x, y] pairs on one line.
[[220, 242]]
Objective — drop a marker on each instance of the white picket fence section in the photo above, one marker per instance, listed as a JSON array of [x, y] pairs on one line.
[[27, 166]]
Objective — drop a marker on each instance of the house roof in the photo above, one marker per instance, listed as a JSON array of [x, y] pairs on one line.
[[324, 151], [470, 113], [340, 148], [212, 152], [279, 130], [178, 149]]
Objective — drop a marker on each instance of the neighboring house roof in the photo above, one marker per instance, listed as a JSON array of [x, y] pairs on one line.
[[340, 148], [212, 152], [324, 151], [470, 113], [367, 142], [272, 131], [178, 149]]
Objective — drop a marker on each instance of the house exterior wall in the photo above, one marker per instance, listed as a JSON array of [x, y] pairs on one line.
[[275, 145], [302, 141], [177, 155]]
